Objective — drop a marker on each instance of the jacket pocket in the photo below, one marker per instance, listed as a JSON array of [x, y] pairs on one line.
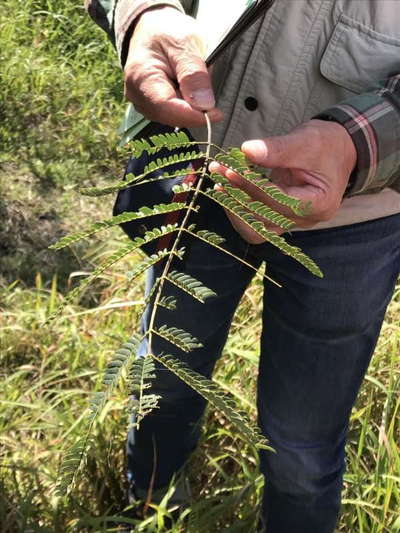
[[357, 56]]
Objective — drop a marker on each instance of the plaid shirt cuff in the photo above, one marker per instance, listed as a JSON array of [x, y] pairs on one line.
[[373, 121]]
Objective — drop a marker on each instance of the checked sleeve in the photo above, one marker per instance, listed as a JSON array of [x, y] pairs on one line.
[[373, 121]]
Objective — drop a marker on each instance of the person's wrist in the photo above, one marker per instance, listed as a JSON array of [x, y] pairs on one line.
[[344, 142]]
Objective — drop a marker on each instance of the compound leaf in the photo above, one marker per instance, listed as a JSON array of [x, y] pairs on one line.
[[180, 338], [217, 398], [128, 216], [190, 285]]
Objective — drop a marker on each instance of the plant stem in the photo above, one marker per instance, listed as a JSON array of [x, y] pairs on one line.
[[240, 259], [179, 235]]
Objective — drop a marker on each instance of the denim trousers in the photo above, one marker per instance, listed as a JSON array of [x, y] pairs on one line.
[[317, 340]]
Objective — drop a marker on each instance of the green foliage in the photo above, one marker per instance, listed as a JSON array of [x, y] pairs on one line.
[[190, 285], [120, 360], [118, 256], [159, 142], [146, 263], [60, 100], [258, 208], [210, 237], [236, 161], [116, 220], [151, 167], [233, 200], [48, 373], [60, 93], [168, 302], [218, 399], [72, 464], [140, 374], [234, 207], [180, 338]]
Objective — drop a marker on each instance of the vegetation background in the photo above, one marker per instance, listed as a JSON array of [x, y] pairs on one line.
[[60, 106]]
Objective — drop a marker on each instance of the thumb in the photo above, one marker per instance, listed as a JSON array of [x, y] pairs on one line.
[[194, 81], [275, 152]]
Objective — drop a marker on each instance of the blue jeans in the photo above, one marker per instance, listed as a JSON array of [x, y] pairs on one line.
[[317, 341]]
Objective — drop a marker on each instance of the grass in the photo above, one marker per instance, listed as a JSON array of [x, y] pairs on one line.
[[49, 372], [60, 104]]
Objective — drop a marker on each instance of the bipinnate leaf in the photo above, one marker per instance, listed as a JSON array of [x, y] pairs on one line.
[[140, 371], [192, 286], [146, 263], [236, 161], [149, 169], [120, 360], [140, 375], [72, 463], [238, 210], [168, 302], [259, 208], [159, 142], [180, 338], [210, 237], [149, 236], [218, 399], [174, 159], [98, 401], [128, 216]]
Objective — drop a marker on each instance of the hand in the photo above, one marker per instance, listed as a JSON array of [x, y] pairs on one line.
[[165, 74], [312, 163]]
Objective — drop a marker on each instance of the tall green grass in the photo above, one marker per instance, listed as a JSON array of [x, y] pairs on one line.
[[49, 372], [60, 91], [60, 104]]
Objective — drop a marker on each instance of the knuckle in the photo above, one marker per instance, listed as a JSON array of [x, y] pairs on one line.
[[280, 145], [190, 74], [189, 63]]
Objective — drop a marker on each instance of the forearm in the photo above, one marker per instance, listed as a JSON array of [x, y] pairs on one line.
[[373, 121], [118, 17]]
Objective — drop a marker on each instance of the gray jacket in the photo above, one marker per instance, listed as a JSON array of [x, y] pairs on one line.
[[332, 59]]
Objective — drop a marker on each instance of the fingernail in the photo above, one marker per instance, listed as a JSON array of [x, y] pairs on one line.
[[255, 149], [203, 99]]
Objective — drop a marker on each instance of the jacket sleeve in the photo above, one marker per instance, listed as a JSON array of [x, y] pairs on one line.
[[117, 17], [373, 121]]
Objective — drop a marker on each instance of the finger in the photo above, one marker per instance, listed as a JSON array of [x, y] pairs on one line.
[[248, 234], [257, 194], [285, 151], [192, 74], [313, 196], [217, 168], [196, 89], [244, 229], [179, 113], [156, 97]]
